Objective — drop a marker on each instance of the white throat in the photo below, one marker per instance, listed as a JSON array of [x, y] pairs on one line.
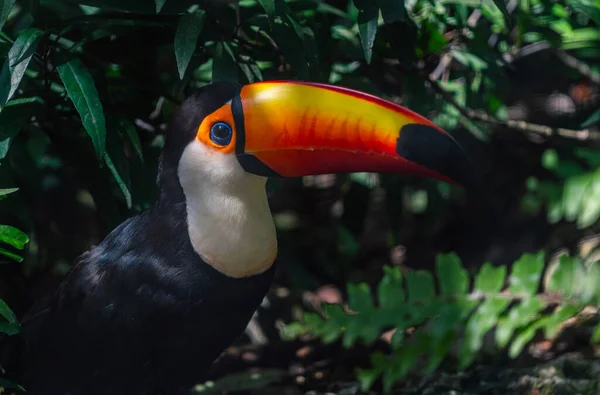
[[229, 220]]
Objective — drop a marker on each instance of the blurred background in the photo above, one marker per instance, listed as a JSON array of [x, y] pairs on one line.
[[515, 82]]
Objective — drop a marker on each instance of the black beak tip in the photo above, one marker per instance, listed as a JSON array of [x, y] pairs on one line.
[[437, 151]]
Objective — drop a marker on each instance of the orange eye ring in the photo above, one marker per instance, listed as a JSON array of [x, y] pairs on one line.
[[218, 130]]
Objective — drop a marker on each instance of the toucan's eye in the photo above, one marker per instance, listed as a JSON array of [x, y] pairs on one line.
[[220, 133]]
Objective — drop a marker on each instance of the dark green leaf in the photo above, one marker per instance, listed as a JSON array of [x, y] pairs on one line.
[[224, 65], [268, 5], [596, 334], [592, 120], [420, 286], [290, 41], [391, 294], [5, 8], [490, 279], [129, 129], [10, 255], [82, 91], [7, 313], [367, 28], [13, 236], [12, 120], [392, 10], [453, 278], [113, 169], [526, 273], [186, 38], [359, 297], [159, 5], [9, 384], [17, 61], [501, 4]]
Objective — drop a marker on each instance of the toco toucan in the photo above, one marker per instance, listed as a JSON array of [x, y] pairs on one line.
[[151, 307]]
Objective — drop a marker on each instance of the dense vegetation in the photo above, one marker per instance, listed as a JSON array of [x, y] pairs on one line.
[[88, 86]]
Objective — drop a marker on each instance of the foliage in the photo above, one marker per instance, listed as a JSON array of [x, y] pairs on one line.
[[460, 310], [87, 88]]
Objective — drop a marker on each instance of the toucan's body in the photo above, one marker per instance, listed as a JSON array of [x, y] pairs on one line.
[[150, 308]]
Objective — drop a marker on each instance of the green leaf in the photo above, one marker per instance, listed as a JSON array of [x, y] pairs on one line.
[[289, 38], [523, 338], [392, 10], [17, 61], [224, 66], [391, 294], [359, 297], [113, 169], [490, 279], [5, 8], [11, 255], [186, 38], [7, 191], [484, 319], [526, 273], [596, 334], [82, 91], [453, 278], [592, 120], [10, 385], [518, 316], [12, 120], [554, 321], [565, 276], [7, 313], [13, 236], [501, 4], [159, 5], [367, 29], [268, 5], [129, 129], [420, 286]]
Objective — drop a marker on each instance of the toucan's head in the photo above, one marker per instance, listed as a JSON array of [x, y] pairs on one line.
[[292, 128], [227, 139]]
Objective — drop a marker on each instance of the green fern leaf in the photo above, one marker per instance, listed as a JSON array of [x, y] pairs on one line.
[[453, 278]]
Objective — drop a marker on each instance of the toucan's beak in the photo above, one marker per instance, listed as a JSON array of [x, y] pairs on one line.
[[292, 128]]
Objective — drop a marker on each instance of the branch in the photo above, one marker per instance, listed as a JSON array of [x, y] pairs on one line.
[[583, 135], [578, 65]]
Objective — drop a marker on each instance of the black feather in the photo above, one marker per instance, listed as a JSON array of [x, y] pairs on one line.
[[141, 313]]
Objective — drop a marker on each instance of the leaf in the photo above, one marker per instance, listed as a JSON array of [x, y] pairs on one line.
[[592, 120], [490, 279], [367, 29], [564, 278], [523, 338], [391, 294], [392, 10], [10, 385], [420, 286], [159, 5], [596, 334], [5, 8], [501, 4], [82, 91], [359, 297], [17, 61], [129, 129], [484, 319], [11, 255], [288, 37], [13, 236], [268, 5], [517, 317], [224, 66], [526, 273], [7, 313], [186, 38], [7, 191], [453, 278], [12, 120], [111, 166]]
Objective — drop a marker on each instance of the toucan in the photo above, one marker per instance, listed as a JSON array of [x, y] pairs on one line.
[[149, 309]]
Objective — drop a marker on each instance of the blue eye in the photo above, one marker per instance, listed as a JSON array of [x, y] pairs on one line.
[[221, 133]]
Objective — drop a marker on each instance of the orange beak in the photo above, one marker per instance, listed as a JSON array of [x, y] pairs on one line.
[[292, 128]]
